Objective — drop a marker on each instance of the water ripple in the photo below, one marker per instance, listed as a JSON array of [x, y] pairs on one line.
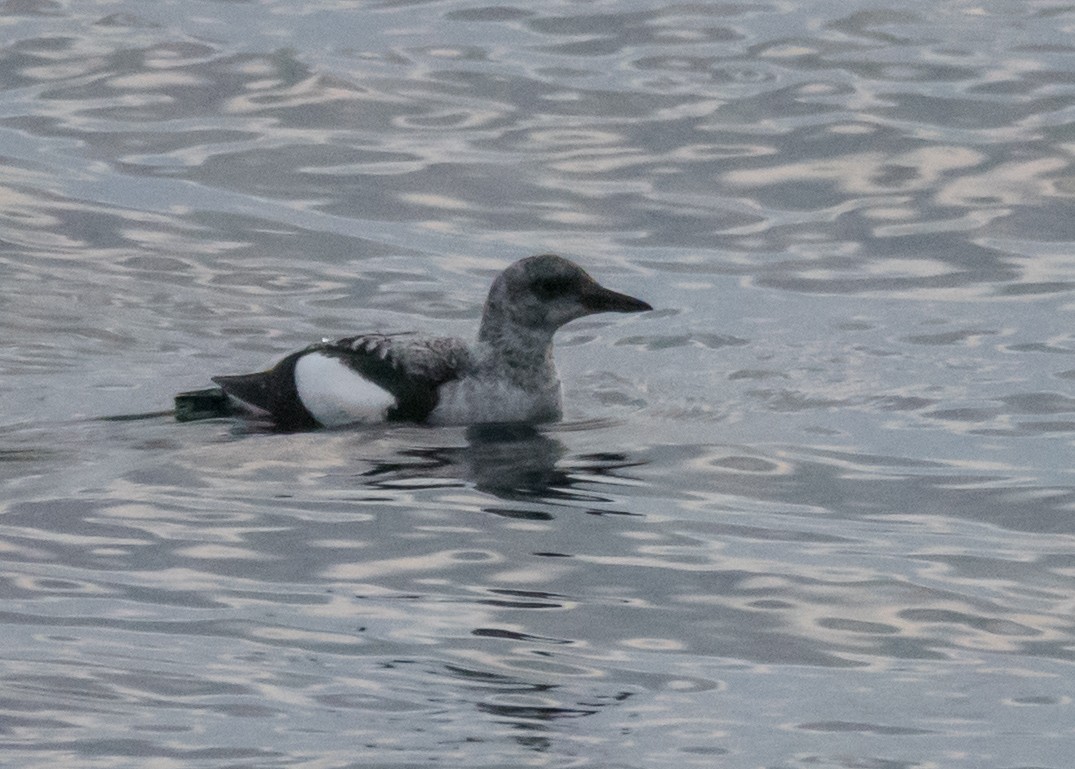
[[837, 458]]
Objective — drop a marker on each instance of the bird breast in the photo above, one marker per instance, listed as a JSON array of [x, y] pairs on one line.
[[478, 399]]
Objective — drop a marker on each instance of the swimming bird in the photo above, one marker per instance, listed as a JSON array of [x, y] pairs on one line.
[[507, 375]]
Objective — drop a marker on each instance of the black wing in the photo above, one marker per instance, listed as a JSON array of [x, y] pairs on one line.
[[409, 366]]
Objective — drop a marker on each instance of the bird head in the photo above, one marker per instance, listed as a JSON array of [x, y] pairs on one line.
[[542, 293]]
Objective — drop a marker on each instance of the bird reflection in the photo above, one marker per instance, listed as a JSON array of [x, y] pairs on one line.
[[513, 462], [530, 475]]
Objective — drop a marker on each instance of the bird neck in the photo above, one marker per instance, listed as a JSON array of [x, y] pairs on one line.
[[521, 351]]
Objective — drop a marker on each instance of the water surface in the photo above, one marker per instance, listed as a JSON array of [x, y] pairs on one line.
[[814, 511]]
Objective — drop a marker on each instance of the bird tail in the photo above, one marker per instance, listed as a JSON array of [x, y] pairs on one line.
[[252, 389], [209, 403]]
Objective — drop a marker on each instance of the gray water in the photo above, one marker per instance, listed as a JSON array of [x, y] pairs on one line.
[[816, 510]]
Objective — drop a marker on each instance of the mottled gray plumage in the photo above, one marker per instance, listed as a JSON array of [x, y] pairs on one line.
[[507, 375], [436, 358]]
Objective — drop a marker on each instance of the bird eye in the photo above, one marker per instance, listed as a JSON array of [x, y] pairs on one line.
[[550, 288]]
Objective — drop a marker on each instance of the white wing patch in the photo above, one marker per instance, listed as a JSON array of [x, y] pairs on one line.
[[338, 395]]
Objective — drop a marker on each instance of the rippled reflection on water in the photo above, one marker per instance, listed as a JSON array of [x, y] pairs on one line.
[[813, 511]]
